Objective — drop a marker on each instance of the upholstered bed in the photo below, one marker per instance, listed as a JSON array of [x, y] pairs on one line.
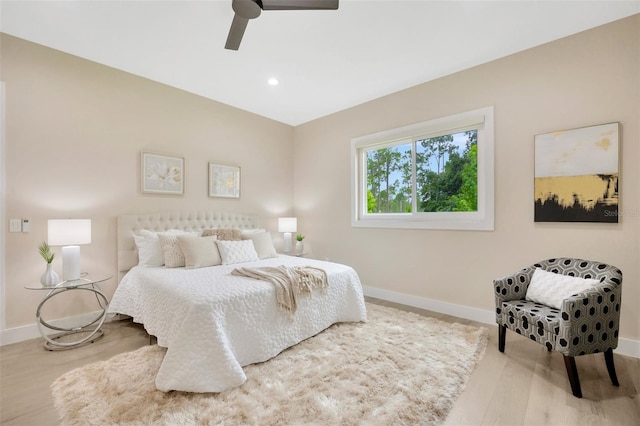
[[212, 322]]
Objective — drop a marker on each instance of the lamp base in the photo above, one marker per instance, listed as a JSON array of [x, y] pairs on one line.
[[287, 242], [70, 263]]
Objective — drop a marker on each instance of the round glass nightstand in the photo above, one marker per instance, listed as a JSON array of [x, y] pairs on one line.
[[79, 335]]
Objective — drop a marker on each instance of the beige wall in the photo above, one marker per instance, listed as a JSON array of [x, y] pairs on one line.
[[590, 78], [75, 130]]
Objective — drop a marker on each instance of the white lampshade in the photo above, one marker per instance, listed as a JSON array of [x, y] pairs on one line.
[[69, 233], [287, 224]]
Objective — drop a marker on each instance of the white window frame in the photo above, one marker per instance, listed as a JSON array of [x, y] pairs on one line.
[[480, 220]]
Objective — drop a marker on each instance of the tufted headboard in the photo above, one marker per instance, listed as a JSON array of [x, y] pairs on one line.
[[130, 224]]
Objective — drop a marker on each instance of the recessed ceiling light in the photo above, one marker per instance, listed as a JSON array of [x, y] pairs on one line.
[[273, 81]]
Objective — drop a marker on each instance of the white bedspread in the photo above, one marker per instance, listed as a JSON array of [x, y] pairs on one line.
[[213, 323]]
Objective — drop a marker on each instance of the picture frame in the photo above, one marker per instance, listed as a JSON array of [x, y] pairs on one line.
[[161, 174], [576, 176], [224, 181]]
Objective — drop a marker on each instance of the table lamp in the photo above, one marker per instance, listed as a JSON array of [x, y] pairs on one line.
[[287, 225], [69, 233]]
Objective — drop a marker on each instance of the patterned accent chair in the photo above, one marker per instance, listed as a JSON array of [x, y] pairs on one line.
[[587, 323]]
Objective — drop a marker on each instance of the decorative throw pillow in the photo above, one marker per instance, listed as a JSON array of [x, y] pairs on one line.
[[262, 243], [173, 255], [237, 251], [199, 252], [223, 234], [148, 245], [551, 289]]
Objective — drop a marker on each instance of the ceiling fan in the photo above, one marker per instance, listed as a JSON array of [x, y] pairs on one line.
[[251, 9]]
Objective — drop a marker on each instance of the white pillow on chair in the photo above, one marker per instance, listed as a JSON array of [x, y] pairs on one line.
[[550, 289]]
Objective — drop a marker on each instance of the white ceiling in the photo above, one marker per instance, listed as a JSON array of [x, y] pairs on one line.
[[326, 61]]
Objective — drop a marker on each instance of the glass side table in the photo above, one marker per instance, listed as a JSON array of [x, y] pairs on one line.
[[75, 336]]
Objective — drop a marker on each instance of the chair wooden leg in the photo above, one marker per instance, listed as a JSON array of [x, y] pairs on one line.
[[572, 372], [502, 334], [611, 368]]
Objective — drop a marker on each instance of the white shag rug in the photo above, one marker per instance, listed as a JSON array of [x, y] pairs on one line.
[[397, 368]]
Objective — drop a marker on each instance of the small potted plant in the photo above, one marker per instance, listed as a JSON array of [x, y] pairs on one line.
[[299, 244], [49, 278]]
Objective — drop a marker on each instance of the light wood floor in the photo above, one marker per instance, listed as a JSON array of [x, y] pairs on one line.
[[526, 385]]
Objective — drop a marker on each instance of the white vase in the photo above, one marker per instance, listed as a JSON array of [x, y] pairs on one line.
[[299, 247], [49, 278]]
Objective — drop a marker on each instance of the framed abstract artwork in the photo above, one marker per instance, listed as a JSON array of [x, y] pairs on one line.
[[577, 175], [224, 181], [162, 174]]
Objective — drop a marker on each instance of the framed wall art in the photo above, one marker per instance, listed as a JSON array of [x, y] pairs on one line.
[[224, 181], [577, 174], [162, 174]]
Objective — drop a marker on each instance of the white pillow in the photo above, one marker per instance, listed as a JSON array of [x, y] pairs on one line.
[[237, 251], [262, 243], [248, 231], [149, 251], [551, 289], [199, 252], [173, 255]]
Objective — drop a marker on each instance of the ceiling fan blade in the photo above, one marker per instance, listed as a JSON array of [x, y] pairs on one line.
[[250, 9], [238, 25], [298, 4]]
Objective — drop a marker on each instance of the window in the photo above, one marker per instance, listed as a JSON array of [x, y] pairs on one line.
[[436, 174]]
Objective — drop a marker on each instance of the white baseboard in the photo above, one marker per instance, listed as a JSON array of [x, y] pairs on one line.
[[31, 331], [626, 347]]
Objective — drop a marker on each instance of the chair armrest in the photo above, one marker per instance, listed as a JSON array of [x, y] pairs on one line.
[[514, 286], [590, 320]]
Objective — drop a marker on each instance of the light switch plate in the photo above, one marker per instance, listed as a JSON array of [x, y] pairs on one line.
[[15, 225]]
